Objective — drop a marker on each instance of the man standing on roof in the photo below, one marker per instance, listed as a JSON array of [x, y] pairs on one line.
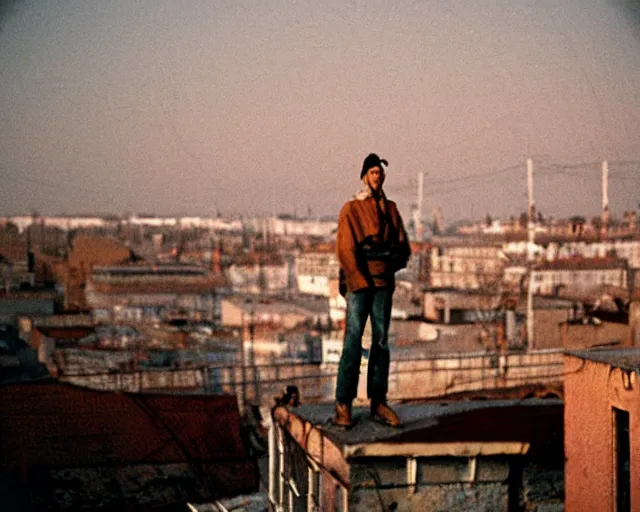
[[371, 246]]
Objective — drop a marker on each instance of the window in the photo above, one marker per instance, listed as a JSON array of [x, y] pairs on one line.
[[622, 449]]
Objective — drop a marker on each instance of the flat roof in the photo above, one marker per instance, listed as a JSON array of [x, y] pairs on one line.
[[492, 420], [144, 270], [447, 428], [624, 358]]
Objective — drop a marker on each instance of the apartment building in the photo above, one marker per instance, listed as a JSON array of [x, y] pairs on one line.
[[314, 272], [466, 265], [150, 294], [585, 275]]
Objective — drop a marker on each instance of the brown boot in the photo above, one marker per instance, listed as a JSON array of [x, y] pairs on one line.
[[384, 414], [343, 415]]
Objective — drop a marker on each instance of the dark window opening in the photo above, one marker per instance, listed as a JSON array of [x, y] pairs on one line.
[[622, 460]]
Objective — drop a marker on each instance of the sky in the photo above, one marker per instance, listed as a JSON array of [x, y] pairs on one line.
[[253, 107]]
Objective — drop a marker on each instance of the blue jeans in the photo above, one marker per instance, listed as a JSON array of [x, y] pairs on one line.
[[362, 304]]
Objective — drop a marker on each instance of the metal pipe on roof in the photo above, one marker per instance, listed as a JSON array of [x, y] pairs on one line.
[[281, 468], [272, 464]]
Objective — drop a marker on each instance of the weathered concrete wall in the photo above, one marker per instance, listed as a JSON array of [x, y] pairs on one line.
[[634, 318], [230, 314], [454, 483], [408, 380], [486, 497], [546, 328], [591, 390], [579, 336], [542, 488], [442, 484], [435, 377]]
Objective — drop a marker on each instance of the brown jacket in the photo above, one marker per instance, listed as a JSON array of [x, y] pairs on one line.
[[363, 225]]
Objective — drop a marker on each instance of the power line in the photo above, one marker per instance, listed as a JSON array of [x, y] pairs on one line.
[[478, 175], [483, 176]]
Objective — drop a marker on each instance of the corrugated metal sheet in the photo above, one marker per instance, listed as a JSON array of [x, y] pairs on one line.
[[49, 427]]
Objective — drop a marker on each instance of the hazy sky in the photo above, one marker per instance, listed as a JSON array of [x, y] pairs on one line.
[[188, 107]]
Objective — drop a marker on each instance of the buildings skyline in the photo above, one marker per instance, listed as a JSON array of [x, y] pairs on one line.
[[581, 180]]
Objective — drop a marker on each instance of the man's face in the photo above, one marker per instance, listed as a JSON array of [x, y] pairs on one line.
[[375, 178]]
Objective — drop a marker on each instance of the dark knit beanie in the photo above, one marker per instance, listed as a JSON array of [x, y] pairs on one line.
[[372, 160]]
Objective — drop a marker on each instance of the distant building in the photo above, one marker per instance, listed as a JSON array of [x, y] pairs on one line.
[[149, 294], [465, 265], [628, 250], [314, 272], [289, 226], [215, 224], [64, 223], [419, 265], [275, 330], [580, 275], [459, 306], [550, 314], [337, 303], [18, 304], [87, 252], [239, 311], [259, 273]]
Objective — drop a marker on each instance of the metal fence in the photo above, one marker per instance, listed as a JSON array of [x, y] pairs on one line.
[[408, 379]]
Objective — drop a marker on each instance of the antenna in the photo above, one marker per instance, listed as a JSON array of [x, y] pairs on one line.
[[605, 198], [419, 228], [530, 240]]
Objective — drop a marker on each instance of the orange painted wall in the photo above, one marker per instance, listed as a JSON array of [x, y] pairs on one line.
[[591, 390]]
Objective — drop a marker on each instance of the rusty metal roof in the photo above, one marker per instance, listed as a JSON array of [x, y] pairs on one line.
[[51, 427]]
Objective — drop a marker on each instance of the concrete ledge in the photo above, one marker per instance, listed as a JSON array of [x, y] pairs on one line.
[[435, 449]]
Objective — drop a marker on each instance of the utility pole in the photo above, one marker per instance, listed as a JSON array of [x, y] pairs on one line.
[[420, 194], [252, 334], [530, 242], [604, 228], [243, 361], [264, 234]]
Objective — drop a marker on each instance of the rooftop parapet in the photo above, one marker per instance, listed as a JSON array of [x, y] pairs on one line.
[[446, 452]]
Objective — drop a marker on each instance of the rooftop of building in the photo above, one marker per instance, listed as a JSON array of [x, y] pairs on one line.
[[468, 292], [623, 358], [444, 421], [66, 333], [541, 238], [64, 320], [128, 448], [254, 258], [476, 240], [304, 304], [30, 294], [144, 270], [446, 428], [580, 263]]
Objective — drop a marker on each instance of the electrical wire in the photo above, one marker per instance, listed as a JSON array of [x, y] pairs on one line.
[[378, 485], [198, 470]]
